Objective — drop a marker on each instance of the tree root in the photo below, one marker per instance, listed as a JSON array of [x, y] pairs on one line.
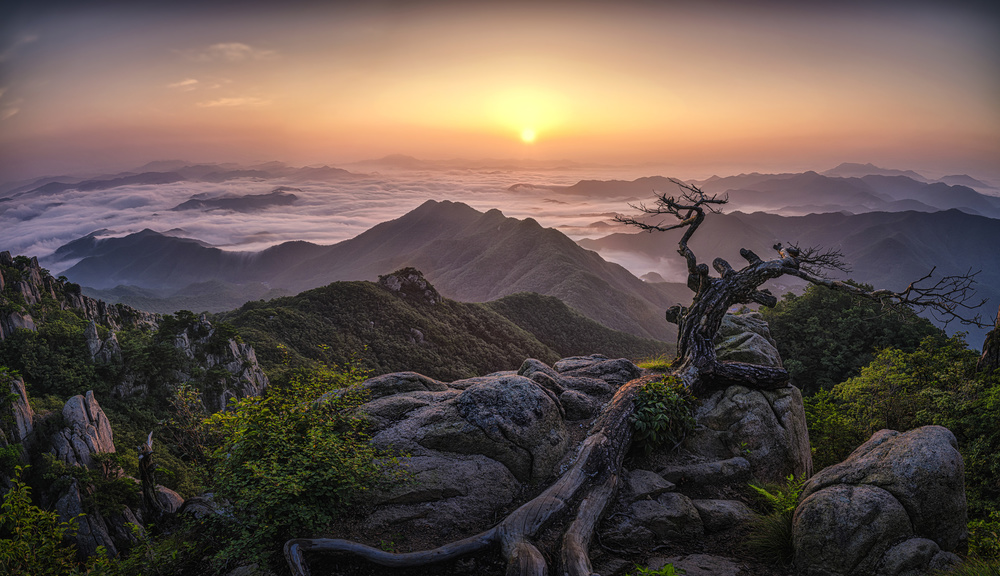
[[590, 484]]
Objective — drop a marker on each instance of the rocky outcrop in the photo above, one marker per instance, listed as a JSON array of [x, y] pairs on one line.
[[16, 420], [895, 506], [24, 283], [240, 377], [409, 283], [87, 432], [475, 445], [990, 359], [102, 351]]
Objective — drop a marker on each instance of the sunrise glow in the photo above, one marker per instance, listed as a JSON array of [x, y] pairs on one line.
[[789, 85]]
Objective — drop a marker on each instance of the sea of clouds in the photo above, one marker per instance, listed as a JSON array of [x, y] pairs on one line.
[[326, 212]]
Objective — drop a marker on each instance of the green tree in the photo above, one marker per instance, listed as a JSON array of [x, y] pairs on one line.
[[825, 336]]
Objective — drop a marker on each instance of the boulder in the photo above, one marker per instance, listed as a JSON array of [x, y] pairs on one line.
[[846, 530], [746, 338], [921, 468], [895, 506], [670, 516], [766, 427], [719, 515]]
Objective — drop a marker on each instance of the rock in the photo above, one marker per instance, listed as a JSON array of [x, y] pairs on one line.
[[473, 444], [576, 362], [170, 501], [92, 530], [719, 515], [671, 515], [895, 506], [644, 484], [410, 284], [844, 530], [767, 427], [909, 558], [400, 382], [921, 468], [614, 372], [448, 494], [578, 406], [19, 428], [700, 565], [746, 338], [87, 432], [715, 473], [990, 359]]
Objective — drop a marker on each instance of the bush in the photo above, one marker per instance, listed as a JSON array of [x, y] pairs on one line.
[[663, 414], [290, 462], [32, 540]]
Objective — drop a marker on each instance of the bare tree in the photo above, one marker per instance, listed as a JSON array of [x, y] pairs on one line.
[[581, 495], [948, 298]]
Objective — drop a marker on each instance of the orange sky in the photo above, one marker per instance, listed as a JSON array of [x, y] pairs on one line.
[[113, 85]]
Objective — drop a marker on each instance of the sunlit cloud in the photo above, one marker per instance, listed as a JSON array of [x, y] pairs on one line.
[[246, 101], [186, 85], [231, 52]]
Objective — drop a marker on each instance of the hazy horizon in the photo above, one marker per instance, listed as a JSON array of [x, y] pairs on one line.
[[713, 86]]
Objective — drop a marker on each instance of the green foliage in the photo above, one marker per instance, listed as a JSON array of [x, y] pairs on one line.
[[663, 413], [780, 497], [984, 539], [360, 320], [32, 540], [770, 537], [54, 359], [934, 384], [832, 432], [974, 568], [291, 461], [825, 336], [661, 363], [111, 491], [771, 534], [666, 570], [570, 333]]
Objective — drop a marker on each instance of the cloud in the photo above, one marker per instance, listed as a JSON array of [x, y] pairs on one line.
[[8, 53], [186, 84], [245, 101], [230, 52], [8, 111]]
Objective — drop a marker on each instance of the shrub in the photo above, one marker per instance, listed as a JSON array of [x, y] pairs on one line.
[[32, 540], [663, 414], [291, 461]]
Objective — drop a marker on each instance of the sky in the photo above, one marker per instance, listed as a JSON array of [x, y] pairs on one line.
[[96, 87]]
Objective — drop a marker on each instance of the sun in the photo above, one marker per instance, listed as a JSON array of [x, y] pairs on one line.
[[528, 135]]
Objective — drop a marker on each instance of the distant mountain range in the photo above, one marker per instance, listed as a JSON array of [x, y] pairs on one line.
[[885, 249], [469, 255]]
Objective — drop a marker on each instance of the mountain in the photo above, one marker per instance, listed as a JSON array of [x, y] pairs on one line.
[[401, 323], [280, 196], [965, 180], [854, 170], [469, 255], [887, 250]]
